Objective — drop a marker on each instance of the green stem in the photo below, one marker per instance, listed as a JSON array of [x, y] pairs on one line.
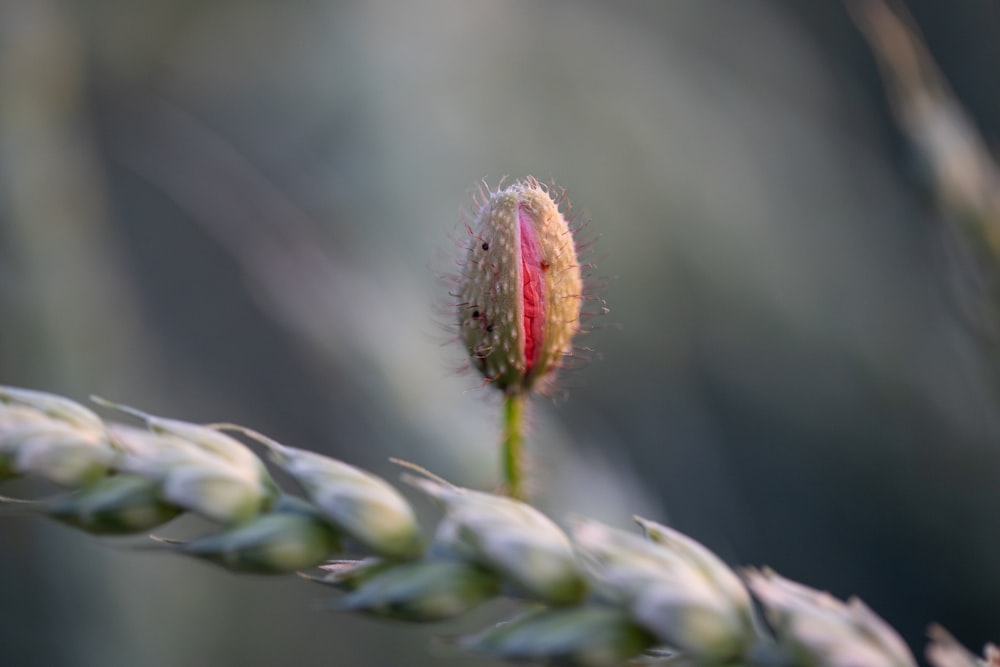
[[513, 444]]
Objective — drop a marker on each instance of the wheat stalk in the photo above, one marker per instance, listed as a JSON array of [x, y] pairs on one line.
[[594, 595]]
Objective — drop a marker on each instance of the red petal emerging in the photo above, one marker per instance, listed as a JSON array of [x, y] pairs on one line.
[[531, 291]]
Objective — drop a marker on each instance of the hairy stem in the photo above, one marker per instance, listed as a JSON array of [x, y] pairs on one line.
[[513, 443]]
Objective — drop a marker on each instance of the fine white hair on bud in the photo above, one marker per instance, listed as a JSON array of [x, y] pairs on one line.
[[520, 287]]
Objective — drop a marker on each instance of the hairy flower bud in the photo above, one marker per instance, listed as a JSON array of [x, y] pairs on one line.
[[520, 287]]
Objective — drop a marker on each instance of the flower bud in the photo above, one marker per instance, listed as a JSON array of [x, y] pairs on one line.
[[672, 589], [364, 507], [508, 537], [115, 505], [423, 592], [817, 630], [292, 537], [520, 287], [64, 452], [192, 477], [592, 636]]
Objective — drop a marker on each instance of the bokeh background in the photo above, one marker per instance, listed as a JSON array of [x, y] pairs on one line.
[[238, 211]]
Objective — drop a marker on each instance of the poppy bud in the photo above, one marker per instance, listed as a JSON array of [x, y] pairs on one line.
[[520, 287]]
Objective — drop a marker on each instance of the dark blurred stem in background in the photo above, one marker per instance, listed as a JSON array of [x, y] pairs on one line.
[[73, 321], [958, 165], [77, 302]]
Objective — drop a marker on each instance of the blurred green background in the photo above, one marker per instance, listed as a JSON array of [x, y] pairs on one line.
[[239, 211]]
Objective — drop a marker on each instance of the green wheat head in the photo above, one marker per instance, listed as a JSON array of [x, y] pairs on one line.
[[593, 595]]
